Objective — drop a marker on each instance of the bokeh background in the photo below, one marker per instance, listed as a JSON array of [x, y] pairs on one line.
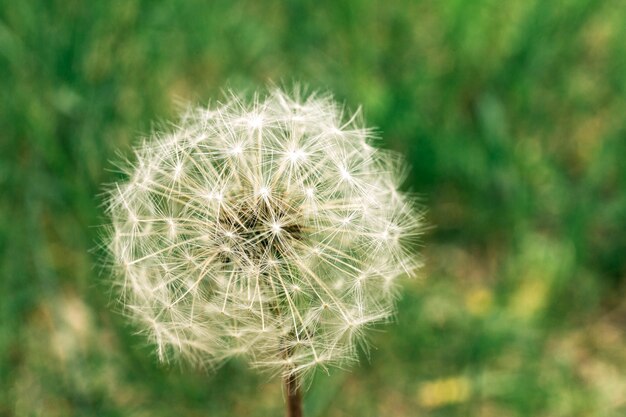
[[511, 113]]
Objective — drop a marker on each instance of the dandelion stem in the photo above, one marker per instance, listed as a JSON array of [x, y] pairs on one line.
[[294, 397]]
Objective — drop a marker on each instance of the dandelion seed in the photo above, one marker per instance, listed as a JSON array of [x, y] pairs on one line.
[[276, 228], [255, 121]]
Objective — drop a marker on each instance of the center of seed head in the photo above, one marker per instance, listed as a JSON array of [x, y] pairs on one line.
[[260, 228]]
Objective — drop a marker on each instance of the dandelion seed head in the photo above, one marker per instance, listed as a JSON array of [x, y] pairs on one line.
[[271, 230]]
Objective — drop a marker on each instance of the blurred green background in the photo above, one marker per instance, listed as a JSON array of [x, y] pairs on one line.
[[512, 114]]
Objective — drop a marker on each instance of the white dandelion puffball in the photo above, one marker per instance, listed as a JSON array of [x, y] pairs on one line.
[[270, 229]]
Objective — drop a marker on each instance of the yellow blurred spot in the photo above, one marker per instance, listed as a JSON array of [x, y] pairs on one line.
[[529, 298], [479, 301], [444, 391], [72, 327]]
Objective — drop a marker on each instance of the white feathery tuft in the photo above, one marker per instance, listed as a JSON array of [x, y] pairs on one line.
[[272, 230]]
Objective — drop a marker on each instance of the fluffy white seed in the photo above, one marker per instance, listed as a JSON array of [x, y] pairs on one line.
[[271, 230]]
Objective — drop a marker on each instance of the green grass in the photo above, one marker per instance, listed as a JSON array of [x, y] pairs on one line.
[[512, 115]]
